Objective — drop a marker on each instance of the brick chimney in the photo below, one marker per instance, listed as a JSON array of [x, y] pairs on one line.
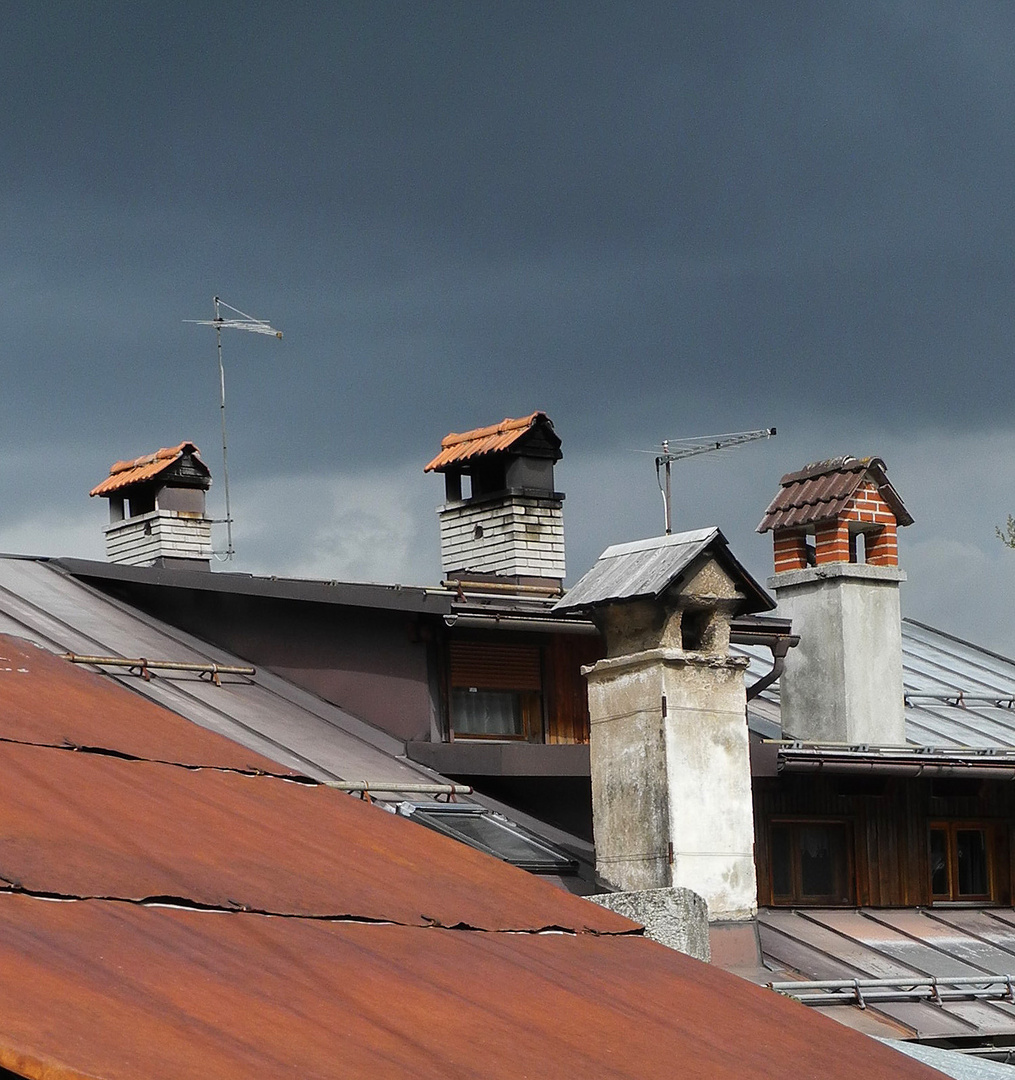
[[157, 509], [669, 748], [834, 525], [509, 523]]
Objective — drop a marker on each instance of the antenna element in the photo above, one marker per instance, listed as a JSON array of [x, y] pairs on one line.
[[245, 322], [686, 448]]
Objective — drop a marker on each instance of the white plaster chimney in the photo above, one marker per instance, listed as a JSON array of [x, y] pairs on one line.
[[510, 523], [157, 510], [669, 748], [834, 525]]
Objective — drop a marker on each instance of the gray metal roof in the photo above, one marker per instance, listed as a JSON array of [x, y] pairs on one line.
[[647, 568], [957, 694], [900, 944], [346, 593]]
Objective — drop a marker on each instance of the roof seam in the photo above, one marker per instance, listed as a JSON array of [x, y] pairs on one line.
[[13, 888]]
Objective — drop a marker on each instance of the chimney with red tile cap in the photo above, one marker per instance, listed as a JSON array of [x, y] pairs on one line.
[[157, 509], [834, 525], [509, 524]]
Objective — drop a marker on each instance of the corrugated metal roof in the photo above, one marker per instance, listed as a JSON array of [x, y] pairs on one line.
[[112, 987], [125, 473], [465, 446], [119, 992], [821, 491], [900, 943], [957, 694], [647, 568], [92, 825]]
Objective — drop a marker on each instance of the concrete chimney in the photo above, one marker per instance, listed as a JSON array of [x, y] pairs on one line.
[[834, 525], [671, 777], [157, 509], [509, 524]]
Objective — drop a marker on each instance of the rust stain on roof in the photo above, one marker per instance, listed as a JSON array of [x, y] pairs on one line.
[[118, 992], [49, 701], [465, 973], [124, 473], [822, 490], [466, 445]]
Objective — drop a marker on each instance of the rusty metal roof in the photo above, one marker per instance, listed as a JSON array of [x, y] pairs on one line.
[[822, 490], [92, 825], [118, 991], [369, 945], [125, 473], [467, 445]]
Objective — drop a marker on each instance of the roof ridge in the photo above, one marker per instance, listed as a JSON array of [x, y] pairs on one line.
[[453, 438]]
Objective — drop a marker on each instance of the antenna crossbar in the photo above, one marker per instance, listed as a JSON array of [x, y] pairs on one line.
[[686, 448]]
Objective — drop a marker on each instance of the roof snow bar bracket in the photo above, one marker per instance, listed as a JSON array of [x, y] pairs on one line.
[[144, 667]]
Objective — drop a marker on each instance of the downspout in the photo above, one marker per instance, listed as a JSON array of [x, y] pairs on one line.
[[780, 647]]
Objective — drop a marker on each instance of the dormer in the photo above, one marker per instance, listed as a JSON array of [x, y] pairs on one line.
[[157, 509], [502, 517]]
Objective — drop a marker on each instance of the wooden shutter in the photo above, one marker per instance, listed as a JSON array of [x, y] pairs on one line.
[[489, 666]]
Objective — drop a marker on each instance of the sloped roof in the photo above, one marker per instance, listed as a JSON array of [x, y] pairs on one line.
[[822, 490], [958, 695], [647, 568], [467, 445], [125, 473], [223, 924]]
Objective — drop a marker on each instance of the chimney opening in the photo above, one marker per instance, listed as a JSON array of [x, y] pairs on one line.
[[694, 627], [477, 532], [857, 547]]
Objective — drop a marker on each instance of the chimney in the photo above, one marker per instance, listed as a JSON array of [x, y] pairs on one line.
[[837, 577], [157, 510], [669, 749], [509, 523]]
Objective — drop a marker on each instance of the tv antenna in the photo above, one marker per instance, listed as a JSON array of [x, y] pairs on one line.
[[244, 322], [678, 449]]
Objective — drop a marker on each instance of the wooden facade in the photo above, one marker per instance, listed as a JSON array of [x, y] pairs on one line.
[[888, 822], [546, 665]]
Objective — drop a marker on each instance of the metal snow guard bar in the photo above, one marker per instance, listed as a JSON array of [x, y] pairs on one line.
[[396, 787], [796, 756], [863, 992], [145, 666]]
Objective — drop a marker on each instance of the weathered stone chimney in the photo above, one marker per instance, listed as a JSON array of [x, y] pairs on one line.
[[837, 577], [671, 776], [157, 510], [509, 523]]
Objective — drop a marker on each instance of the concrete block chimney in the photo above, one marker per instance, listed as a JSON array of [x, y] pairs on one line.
[[671, 777], [509, 525], [157, 509], [834, 525]]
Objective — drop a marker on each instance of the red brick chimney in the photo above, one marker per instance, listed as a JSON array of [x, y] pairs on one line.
[[836, 502], [837, 577]]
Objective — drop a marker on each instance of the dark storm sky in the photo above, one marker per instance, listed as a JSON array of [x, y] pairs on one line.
[[648, 219]]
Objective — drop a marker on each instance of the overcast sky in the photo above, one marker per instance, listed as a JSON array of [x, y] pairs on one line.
[[648, 219]]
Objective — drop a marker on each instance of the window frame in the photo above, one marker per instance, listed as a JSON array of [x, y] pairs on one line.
[[797, 897], [531, 692], [951, 828]]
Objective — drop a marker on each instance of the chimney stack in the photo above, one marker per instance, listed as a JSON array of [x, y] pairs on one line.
[[669, 748], [509, 524], [157, 510], [834, 525]]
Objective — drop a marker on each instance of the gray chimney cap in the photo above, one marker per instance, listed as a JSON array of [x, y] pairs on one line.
[[647, 568]]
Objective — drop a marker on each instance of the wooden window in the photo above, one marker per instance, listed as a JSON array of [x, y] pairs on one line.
[[811, 862], [496, 690], [960, 862]]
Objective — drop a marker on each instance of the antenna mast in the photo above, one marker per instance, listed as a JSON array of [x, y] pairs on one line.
[[685, 448], [244, 322]]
